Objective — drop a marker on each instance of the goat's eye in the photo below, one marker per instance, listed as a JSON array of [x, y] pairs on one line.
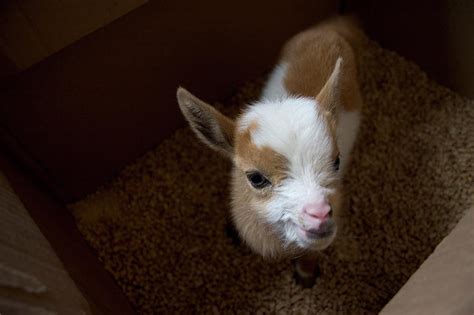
[[337, 162], [257, 180]]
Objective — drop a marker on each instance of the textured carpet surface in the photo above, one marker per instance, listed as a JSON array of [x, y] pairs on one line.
[[159, 227]]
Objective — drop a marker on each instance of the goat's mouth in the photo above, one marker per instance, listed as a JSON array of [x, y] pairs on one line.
[[317, 238], [316, 234]]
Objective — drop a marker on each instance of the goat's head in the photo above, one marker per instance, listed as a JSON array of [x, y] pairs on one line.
[[286, 179]]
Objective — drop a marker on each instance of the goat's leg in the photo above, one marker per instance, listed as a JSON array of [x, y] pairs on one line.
[[306, 270]]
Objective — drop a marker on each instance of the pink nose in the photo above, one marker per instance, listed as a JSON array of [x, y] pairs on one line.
[[320, 209]]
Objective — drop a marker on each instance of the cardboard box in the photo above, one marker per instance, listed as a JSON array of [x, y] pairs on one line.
[[444, 284], [31, 30], [111, 95]]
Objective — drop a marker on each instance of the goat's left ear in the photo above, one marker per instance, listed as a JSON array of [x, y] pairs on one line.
[[213, 128], [330, 95]]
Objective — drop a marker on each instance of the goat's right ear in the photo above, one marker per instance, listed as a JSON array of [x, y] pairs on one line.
[[212, 127]]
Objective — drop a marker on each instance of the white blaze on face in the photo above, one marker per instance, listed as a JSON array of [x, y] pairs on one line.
[[294, 128]]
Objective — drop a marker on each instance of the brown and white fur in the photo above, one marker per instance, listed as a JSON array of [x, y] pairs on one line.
[[290, 148]]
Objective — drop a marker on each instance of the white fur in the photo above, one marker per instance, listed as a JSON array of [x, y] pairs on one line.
[[295, 128], [347, 129], [274, 89]]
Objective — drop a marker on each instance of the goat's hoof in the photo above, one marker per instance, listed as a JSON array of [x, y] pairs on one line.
[[306, 280]]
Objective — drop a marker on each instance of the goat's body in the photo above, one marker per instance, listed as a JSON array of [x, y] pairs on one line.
[[306, 63], [297, 140]]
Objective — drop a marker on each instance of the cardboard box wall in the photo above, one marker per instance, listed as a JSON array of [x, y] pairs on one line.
[[32, 278], [444, 283], [31, 30], [104, 100]]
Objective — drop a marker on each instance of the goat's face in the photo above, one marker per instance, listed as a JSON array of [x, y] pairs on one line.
[[286, 177], [285, 187]]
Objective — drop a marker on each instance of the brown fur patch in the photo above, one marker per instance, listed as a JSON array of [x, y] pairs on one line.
[[311, 56], [249, 157], [258, 234]]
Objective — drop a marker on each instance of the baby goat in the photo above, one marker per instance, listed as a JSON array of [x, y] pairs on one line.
[[290, 149]]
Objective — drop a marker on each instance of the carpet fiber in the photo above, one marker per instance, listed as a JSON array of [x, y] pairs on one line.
[[159, 227]]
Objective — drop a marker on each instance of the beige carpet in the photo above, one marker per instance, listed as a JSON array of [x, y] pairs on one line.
[[159, 227]]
